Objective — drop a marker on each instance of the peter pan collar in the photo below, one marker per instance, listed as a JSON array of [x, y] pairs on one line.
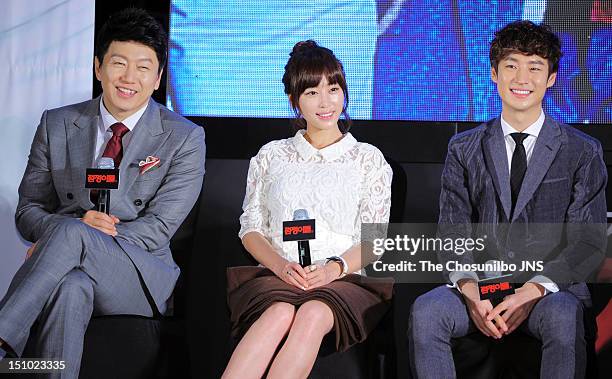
[[329, 153]]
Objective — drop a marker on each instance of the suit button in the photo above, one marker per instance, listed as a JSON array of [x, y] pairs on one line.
[[137, 202], [511, 254], [70, 196]]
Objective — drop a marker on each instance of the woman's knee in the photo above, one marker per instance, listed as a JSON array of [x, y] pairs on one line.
[[281, 314], [317, 314]]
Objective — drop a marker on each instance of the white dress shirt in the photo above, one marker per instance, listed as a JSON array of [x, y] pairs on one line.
[[105, 132], [532, 131], [340, 186]]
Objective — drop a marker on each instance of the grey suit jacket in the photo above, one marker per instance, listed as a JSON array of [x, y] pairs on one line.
[[562, 192], [151, 206]]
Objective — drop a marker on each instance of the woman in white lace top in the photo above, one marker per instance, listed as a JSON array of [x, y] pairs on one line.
[[341, 183]]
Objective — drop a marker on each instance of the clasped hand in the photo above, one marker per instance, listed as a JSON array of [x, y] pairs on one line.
[[309, 277], [101, 221], [507, 315]]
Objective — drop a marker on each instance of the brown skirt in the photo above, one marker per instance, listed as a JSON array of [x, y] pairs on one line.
[[357, 302]]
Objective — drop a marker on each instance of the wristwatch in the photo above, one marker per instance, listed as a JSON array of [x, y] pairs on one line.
[[342, 262]]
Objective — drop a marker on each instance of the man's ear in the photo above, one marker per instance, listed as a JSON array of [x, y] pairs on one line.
[[159, 79], [493, 75], [97, 67], [552, 78]]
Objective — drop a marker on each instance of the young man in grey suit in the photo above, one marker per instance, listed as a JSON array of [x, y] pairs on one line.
[[535, 188], [85, 262]]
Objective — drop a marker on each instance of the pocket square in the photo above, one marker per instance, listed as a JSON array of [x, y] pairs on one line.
[[148, 164]]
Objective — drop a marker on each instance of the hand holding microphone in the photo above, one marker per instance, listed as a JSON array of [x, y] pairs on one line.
[[516, 307], [300, 229], [511, 307], [494, 287], [102, 179], [478, 309], [101, 221]]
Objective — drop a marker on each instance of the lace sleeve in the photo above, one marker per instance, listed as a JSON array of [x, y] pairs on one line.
[[375, 204], [254, 217]]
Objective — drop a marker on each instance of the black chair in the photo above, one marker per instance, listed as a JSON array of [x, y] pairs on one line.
[[350, 364]]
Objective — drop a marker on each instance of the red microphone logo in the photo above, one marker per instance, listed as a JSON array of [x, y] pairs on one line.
[[299, 230], [492, 288], [102, 178]]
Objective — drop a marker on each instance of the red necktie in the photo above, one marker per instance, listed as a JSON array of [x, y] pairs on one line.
[[114, 148]]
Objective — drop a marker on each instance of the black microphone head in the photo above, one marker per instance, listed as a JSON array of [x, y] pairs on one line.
[[107, 163], [300, 214]]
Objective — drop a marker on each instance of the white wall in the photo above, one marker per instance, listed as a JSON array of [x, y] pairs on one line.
[[46, 47]]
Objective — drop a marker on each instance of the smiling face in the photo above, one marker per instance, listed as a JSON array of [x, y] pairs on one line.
[[129, 74], [321, 106], [522, 81]]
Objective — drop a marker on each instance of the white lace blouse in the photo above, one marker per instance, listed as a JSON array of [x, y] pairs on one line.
[[341, 186]]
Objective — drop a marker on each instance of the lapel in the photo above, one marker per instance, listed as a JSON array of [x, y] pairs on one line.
[[81, 137], [149, 135], [494, 149], [544, 152]]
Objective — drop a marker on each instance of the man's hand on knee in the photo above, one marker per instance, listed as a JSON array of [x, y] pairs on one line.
[[101, 221], [479, 310]]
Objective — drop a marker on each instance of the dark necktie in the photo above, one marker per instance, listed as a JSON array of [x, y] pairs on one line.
[[114, 150], [518, 166], [114, 147]]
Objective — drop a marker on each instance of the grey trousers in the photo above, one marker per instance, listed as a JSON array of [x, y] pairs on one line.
[[441, 314], [74, 272]]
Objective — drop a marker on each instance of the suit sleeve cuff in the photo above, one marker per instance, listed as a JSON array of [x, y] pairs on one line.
[[549, 285], [456, 276]]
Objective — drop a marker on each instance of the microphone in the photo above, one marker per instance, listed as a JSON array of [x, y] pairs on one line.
[[303, 245], [103, 179], [495, 286], [103, 204], [301, 229]]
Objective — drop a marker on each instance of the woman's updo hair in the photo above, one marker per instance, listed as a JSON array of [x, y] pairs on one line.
[[308, 64]]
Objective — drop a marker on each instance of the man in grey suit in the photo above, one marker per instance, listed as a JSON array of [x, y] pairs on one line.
[[85, 262], [535, 188]]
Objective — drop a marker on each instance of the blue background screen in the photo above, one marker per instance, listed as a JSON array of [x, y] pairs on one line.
[[404, 60]]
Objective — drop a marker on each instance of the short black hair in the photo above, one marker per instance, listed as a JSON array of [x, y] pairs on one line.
[[133, 24], [525, 37]]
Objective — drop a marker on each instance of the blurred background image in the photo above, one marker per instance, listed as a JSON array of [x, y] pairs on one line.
[[404, 60]]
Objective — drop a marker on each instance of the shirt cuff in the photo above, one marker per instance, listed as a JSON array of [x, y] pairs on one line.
[[456, 276], [549, 285]]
